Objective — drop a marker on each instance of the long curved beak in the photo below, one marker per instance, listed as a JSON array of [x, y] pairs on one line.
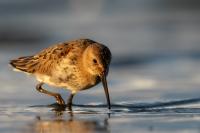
[[104, 82]]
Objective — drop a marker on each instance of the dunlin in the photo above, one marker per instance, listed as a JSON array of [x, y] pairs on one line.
[[75, 65]]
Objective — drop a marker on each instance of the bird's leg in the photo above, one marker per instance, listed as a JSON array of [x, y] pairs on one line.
[[57, 96], [69, 101]]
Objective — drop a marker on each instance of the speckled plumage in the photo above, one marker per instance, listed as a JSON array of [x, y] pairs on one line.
[[74, 65]]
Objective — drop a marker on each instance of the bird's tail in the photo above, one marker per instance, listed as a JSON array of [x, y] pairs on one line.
[[25, 64]]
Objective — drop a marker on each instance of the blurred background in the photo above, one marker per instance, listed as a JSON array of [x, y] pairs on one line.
[[155, 46], [129, 27]]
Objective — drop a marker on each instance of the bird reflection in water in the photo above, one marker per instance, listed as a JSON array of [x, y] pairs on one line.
[[72, 124]]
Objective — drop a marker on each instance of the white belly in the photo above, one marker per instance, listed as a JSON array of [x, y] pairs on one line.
[[71, 83]]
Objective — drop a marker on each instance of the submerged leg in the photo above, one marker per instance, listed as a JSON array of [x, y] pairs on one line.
[[69, 101], [57, 96]]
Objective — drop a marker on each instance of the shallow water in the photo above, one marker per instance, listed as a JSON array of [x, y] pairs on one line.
[[143, 118]]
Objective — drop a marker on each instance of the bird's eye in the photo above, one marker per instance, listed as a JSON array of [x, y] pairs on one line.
[[95, 61]]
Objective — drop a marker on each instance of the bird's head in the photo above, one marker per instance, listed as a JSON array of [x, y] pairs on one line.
[[96, 60]]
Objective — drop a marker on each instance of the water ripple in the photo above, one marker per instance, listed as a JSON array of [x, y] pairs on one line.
[[177, 106]]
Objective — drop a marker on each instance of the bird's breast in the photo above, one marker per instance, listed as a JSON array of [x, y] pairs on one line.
[[71, 75]]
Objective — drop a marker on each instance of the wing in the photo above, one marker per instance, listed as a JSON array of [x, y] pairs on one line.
[[44, 61]]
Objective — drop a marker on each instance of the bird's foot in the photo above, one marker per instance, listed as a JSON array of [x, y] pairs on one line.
[[69, 106], [60, 100]]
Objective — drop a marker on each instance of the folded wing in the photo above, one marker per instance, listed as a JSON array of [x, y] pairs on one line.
[[44, 61]]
